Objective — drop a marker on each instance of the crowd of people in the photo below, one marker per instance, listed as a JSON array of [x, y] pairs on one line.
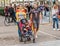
[[34, 12]]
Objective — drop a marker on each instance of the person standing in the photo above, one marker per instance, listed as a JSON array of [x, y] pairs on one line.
[[6, 10], [11, 11], [41, 9], [46, 10], [6, 13], [55, 18], [29, 7], [59, 12], [15, 12]]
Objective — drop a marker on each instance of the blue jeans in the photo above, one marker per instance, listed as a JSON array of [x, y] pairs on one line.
[[19, 32], [46, 13], [55, 21]]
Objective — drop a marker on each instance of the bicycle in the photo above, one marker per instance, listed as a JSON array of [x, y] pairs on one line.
[[8, 20]]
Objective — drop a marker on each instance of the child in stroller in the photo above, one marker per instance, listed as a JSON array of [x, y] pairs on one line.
[[26, 31]]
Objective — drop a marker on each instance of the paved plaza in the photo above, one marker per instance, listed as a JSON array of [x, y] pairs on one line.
[[46, 36]]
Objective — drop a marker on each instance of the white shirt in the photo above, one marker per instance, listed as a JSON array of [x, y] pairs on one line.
[[54, 12]]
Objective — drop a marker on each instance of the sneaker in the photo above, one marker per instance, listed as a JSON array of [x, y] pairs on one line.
[[58, 29], [54, 29]]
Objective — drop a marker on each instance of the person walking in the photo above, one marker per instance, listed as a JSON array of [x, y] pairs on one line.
[[20, 14], [35, 15]]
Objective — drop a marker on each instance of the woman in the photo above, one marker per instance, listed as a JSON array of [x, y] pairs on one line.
[[55, 18], [19, 11], [20, 14]]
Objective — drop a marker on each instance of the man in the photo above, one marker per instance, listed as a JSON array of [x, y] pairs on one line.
[[11, 11], [35, 18], [6, 13], [29, 7], [46, 10], [15, 11]]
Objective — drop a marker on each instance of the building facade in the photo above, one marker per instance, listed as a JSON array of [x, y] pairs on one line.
[[4, 3], [7, 2]]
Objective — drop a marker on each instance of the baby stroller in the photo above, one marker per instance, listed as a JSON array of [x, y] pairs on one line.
[[26, 31]]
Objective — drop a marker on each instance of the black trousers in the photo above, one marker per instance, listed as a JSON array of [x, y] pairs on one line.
[[13, 18]]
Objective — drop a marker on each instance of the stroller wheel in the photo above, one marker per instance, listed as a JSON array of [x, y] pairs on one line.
[[6, 22], [25, 41], [20, 39], [29, 39], [34, 40]]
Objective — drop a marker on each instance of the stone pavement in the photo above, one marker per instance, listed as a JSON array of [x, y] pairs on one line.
[[46, 36], [49, 43]]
